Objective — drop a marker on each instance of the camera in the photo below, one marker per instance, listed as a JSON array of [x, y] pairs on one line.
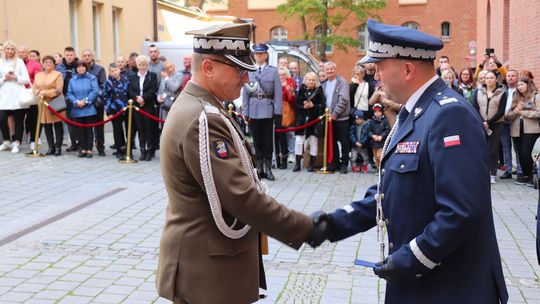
[[490, 51], [528, 105]]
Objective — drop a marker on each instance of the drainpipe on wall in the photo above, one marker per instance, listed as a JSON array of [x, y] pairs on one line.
[[154, 4]]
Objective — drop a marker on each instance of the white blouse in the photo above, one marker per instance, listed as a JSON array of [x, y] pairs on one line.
[[10, 90]]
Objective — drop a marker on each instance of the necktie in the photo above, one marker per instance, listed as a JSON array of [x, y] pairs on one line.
[[402, 116]]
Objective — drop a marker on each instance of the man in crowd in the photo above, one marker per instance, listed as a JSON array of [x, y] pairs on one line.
[[98, 71], [336, 91], [208, 253], [512, 78], [67, 68], [433, 197], [155, 66], [261, 102], [283, 62], [121, 63], [132, 65], [186, 72], [33, 68]]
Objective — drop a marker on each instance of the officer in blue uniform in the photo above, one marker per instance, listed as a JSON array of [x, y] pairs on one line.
[[433, 195], [261, 102]]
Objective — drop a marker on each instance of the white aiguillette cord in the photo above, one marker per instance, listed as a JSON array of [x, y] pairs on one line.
[[208, 178]]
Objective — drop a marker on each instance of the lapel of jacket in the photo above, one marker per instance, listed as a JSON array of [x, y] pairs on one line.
[[419, 109], [337, 88]]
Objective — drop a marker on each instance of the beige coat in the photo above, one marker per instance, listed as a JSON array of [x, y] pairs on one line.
[[49, 85], [489, 109], [197, 263], [530, 117]]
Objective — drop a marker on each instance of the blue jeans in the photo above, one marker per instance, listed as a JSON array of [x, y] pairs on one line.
[[506, 142], [290, 142]]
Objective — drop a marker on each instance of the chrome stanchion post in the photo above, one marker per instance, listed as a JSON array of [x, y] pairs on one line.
[[128, 159], [35, 152]]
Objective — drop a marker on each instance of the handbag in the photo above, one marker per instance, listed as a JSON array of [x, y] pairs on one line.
[[289, 116], [58, 103], [27, 98], [167, 103]]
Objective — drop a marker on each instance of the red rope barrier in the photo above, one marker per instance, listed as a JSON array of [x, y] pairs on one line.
[[149, 115], [299, 127], [330, 145], [90, 125]]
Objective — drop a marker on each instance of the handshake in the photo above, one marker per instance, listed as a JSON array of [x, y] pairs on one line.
[[322, 229]]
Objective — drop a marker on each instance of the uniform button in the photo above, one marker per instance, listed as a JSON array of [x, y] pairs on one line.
[[439, 93], [390, 245], [387, 221], [402, 166], [419, 276], [290, 244], [382, 171], [382, 196]]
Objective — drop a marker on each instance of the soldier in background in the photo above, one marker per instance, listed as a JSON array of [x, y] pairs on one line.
[[262, 102]]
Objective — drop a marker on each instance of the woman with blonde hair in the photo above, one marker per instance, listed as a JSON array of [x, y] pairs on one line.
[[523, 115], [13, 78]]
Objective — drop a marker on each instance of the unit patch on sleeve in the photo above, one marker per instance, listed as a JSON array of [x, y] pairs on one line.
[[220, 148], [407, 147]]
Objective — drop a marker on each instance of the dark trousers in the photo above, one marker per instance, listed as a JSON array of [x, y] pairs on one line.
[[72, 130], [280, 139], [85, 135], [118, 131], [147, 130], [54, 140], [526, 145], [31, 121], [99, 131], [494, 141], [340, 133], [19, 123], [262, 132]]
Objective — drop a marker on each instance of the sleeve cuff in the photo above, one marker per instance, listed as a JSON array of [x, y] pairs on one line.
[[420, 255]]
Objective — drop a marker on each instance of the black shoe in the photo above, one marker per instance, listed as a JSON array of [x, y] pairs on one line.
[[268, 169], [506, 175], [343, 169], [148, 156], [51, 151], [101, 153], [283, 165], [297, 164], [143, 155], [260, 169], [522, 180], [72, 148], [81, 154], [58, 152], [121, 156], [113, 147], [311, 163], [89, 155]]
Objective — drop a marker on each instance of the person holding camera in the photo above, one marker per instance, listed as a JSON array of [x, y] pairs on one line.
[[523, 115], [490, 102], [491, 63]]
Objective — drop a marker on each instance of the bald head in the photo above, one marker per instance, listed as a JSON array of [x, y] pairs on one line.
[[23, 52]]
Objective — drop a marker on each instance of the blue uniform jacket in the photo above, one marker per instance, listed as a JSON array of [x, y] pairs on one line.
[[83, 87], [272, 104], [437, 203]]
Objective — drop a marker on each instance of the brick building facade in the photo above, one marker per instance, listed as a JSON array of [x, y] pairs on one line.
[[512, 28], [429, 15]]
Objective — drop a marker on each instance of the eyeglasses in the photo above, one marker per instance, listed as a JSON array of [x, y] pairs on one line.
[[241, 73]]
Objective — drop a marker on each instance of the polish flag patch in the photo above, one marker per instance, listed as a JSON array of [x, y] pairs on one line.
[[451, 141]]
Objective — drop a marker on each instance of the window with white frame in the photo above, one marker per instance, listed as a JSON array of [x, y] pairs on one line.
[[73, 26], [278, 33], [363, 38], [96, 16], [115, 26], [412, 25], [318, 33], [445, 30]]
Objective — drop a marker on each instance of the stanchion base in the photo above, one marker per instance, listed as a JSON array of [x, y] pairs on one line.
[[128, 160], [34, 154], [324, 171]]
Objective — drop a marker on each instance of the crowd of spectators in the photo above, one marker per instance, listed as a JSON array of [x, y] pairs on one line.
[[362, 114]]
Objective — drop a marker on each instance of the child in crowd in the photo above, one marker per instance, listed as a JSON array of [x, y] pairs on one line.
[[378, 130], [115, 91], [358, 134]]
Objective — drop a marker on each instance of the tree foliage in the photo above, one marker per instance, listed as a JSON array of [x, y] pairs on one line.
[[330, 14]]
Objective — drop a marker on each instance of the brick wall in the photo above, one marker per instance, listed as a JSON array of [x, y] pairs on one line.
[[429, 16]]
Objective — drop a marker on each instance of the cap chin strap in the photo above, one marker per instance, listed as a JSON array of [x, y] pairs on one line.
[[243, 65], [208, 178]]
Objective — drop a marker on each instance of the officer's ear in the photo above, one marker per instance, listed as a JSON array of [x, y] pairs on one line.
[[410, 70], [207, 67]]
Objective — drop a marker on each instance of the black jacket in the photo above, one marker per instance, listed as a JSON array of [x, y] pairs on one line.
[[378, 127], [150, 88], [305, 115]]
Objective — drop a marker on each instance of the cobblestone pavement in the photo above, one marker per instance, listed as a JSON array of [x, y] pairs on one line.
[[106, 250]]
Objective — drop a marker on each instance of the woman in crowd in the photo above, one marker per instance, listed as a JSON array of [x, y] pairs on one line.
[[287, 116], [309, 106], [143, 87], [491, 63], [82, 93], [524, 114], [34, 55], [490, 102], [13, 78], [169, 88], [57, 58], [47, 85], [115, 92], [466, 83], [359, 92], [449, 79]]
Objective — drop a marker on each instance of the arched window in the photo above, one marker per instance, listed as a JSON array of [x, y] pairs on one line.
[[318, 32], [363, 38], [445, 30], [278, 33], [412, 25]]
